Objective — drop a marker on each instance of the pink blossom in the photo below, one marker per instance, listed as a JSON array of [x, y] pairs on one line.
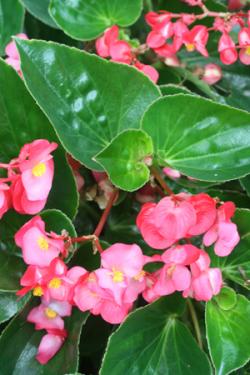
[[12, 54], [227, 50], [205, 209], [120, 51], [212, 74], [148, 70], [48, 347], [37, 248], [223, 233], [173, 173], [104, 43], [244, 42], [44, 317], [235, 4], [5, 199], [193, 2], [181, 254], [172, 278], [196, 39], [158, 20]]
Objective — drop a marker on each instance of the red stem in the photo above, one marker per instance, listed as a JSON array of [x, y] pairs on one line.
[[161, 181], [105, 214]]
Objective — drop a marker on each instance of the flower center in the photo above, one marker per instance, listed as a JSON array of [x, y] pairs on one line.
[[55, 283], [248, 51], [117, 276], [51, 314], [38, 291], [39, 170], [190, 47], [43, 243], [170, 271], [140, 275]]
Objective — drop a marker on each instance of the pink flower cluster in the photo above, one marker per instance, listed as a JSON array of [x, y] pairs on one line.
[[121, 51], [167, 37], [30, 176], [186, 267]]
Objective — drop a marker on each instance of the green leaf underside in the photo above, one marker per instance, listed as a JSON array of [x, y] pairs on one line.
[[153, 341], [19, 343], [200, 138], [123, 159], [85, 20], [40, 10], [86, 109], [11, 21], [228, 334], [21, 122]]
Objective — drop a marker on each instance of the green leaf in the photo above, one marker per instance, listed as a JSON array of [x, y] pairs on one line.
[[19, 343], [125, 159], [86, 110], [245, 183], [10, 304], [227, 298], [171, 89], [200, 138], [236, 266], [240, 199], [86, 20], [153, 341], [11, 269], [40, 10], [228, 335], [11, 21], [21, 121]]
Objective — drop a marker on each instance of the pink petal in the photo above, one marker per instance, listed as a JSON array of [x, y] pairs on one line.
[[49, 346], [228, 238]]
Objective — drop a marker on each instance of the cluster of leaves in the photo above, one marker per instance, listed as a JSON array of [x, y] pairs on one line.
[[112, 118]]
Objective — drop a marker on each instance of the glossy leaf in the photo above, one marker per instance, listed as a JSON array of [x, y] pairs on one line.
[[11, 269], [227, 298], [19, 343], [22, 121], [10, 304], [86, 110], [200, 138], [236, 266], [86, 20], [40, 9], [125, 159], [228, 335], [11, 21], [171, 89], [153, 341]]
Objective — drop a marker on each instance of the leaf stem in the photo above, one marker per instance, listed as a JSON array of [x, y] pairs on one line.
[[106, 212], [161, 181], [195, 323]]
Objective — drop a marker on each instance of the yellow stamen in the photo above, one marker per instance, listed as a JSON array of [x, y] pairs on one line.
[[140, 275], [55, 283], [190, 47], [43, 243], [170, 271], [248, 51], [117, 276], [39, 170], [38, 291], [51, 314], [92, 278]]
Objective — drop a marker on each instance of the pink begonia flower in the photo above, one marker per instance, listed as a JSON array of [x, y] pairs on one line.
[[120, 51], [148, 70], [146, 224], [205, 209], [5, 199], [37, 248], [44, 317], [196, 39], [104, 43], [12, 54], [172, 278], [119, 263], [212, 74], [173, 173], [157, 37], [244, 42], [174, 218], [235, 4], [172, 61], [33, 278], [48, 347], [90, 296], [194, 3], [223, 233], [227, 50], [181, 254], [158, 20]]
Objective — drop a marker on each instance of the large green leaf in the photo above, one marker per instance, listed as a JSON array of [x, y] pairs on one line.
[[19, 343], [236, 266], [11, 269], [200, 138], [21, 121], [11, 21], [86, 20], [125, 159], [153, 341], [228, 334], [87, 109], [10, 304], [40, 10]]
